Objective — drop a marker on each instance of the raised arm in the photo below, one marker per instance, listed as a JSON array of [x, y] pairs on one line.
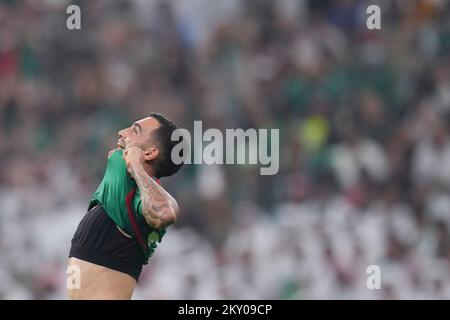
[[158, 207]]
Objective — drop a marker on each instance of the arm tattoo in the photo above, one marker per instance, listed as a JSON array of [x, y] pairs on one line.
[[157, 203]]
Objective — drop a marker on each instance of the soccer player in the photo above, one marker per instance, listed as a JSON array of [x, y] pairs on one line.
[[128, 214]]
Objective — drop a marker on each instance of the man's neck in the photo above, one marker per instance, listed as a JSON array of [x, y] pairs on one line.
[[148, 168]]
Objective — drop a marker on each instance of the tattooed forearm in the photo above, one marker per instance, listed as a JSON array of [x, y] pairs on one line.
[[158, 206]]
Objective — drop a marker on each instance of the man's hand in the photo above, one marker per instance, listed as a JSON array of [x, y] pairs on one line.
[[133, 156]]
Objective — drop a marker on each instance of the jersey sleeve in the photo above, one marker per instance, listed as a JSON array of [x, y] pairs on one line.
[[138, 203]]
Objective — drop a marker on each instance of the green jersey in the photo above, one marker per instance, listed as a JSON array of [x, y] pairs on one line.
[[112, 192]]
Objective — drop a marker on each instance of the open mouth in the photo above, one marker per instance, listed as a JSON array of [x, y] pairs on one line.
[[120, 144]]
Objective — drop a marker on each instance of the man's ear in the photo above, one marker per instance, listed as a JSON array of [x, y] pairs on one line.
[[151, 153]]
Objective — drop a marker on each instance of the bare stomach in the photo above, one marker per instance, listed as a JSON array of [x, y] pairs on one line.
[[97, 282]]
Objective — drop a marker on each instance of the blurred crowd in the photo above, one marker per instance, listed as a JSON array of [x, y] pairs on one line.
[[364, 119]]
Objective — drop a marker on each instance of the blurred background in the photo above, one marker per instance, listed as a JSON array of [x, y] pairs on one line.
[[364, 119]]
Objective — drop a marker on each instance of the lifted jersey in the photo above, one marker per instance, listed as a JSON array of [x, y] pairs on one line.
[[112, 194]]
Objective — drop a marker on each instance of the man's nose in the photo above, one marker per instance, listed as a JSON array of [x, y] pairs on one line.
[[122, 133]]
